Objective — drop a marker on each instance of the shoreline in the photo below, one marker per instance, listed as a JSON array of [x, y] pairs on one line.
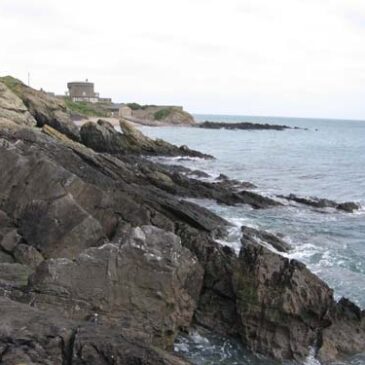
[[90, 230]]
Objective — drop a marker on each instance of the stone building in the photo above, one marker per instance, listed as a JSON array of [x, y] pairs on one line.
[[82, 91]]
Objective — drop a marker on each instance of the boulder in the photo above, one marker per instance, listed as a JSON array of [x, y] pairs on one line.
[[45, 109], [9, 239], [150, 283], [27, 255]]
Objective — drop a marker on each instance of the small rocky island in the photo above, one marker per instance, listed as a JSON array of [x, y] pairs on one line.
[[243, 126], [102, 262]]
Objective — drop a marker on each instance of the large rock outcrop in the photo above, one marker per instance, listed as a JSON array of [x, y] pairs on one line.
[[149, 283], [102, 137], [285, 310], [31, 336], [346, 333], [69, 245], [13, 110], [45, 109]]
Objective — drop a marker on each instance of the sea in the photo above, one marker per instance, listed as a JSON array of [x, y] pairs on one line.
[[324, 159]]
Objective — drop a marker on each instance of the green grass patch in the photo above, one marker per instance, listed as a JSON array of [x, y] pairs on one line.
[[162, 114], [85, 108]]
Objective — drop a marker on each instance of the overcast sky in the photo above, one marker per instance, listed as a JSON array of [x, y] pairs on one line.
[[253, 57]]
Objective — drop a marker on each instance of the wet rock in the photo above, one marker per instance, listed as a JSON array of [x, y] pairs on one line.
[[199, 174], [346, 333], [217, 305], [257, 201], [150, 283], [222, 177], [242, 125], [349, 207], [45, 109], [280, 302], [252, 235], [27, 255]]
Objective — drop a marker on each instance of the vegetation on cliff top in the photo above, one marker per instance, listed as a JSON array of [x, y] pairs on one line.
[[162, 114], [85, 108]]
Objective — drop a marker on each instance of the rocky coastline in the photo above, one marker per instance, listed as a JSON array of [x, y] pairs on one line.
[[103, 261]]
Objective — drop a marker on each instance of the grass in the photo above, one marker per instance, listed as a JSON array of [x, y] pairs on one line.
[[136, 106], [162, 114], [85, 108]]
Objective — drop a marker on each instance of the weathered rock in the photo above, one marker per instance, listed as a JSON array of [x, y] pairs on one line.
[[217, 305], [6, 258], [323, 203], [30, 336], [257, 201], [150, 283], [102, 137], [13, 110], [44, 108], [349, 207], [27, 255], [50, 217], [14, 274], [280, 302], [252, 235], [9, 239], [346, 334]]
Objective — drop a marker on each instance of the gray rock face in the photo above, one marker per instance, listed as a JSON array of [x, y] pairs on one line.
[[14, 275], [150, 283], [346, 333], [108, 291], [30, 336], [44, 108], [9, 238], [13, 110], [280, 302], [102, 137], [27, 255]]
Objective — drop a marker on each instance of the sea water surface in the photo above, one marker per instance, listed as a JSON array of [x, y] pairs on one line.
[[326, 161]]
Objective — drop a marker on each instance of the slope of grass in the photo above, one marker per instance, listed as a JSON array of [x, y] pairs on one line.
[[85, 108]]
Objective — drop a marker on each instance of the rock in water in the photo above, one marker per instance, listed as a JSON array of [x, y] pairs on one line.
[[31, 336], [150, 283], [252, 235], [281, 304], [346, 333]]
